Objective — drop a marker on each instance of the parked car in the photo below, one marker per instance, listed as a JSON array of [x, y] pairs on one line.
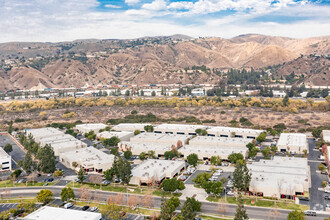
[[122, 214], [68, 205], [327, 190], [85, 208], [310, 213], [49, 174], [324, 172], [94, 209], [304, 198], [327, 197], [230, 193], [105, 182], [183, 178], [50, 180]]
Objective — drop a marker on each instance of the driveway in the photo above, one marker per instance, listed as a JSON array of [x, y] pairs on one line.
[[316, 196]]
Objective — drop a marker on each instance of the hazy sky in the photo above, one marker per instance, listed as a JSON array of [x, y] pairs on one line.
[[64, 20]]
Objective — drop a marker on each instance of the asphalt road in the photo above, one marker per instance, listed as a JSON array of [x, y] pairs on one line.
[[316, 197], [207, 207]]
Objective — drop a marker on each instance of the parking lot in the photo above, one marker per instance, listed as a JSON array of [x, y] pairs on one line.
[[16, 154]]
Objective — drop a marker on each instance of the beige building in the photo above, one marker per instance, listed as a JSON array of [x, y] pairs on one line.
[[86, 128], [293, 142], [181, 129], [234, 132], [122, 135], [5, 160], [39, 133], [326, 135], [130, 127], [282, 177], [89, 158], [151, 171]]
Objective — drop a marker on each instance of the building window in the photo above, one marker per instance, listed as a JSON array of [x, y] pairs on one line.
[[5, 163]]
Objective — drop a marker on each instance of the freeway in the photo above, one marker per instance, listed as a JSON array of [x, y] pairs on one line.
[[207, 207]]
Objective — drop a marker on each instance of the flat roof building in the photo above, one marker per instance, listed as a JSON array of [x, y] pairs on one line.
[[151, 170], [131, 127], [219, 142], [234, 132], [67, 146], [122, 135], [282, 177], [292, 142], [178, 129], [54, 213], [5, 160], [156, 138], [326, 135], [137, 148], [86, 128], [89, 158], [43, 132]]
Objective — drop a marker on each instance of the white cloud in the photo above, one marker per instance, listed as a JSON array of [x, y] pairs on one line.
[[112, 6], [63, 20], [131, 2], [156, 5]]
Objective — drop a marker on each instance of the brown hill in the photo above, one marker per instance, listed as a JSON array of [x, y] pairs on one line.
[[151, 60]]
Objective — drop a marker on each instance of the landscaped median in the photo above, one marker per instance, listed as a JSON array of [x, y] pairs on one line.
[[261, 202], [9, 183], [124, 189]]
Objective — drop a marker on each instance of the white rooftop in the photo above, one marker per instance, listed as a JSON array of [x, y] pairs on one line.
[[110, 134], [179, 127], [129, 126], [209, 151], [3, 153], [90, 155], [219, 141], [44, 132], [57, 138], [292, 140], [67, 144], [54, 213], [156, 168], [145, 147], [159, 137], [326, 135], [91, 126], [236, 130]]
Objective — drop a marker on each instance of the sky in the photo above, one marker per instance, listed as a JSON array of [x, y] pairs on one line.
[[67, 20]]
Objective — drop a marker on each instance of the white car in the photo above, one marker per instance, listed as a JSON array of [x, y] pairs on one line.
[[93, 209], [68, 205], [230, 193], [327, 190]]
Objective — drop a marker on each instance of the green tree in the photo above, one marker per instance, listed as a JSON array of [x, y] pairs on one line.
[[240, 210], [143, 156], [110, 142], [10, 127], [216, 160], [136, 132], [241, 177], [285, 100], [109, 174], [253, 152], [28, 163], [192, 159], [170, 154], [81, 175], [44, 196], [296, 215], [170, 185], [128, 154], [27, 206], [47, 159], [151, 154], [67, 194], [16, 173], [316, 132], [168, 207], [111, 211], [190, 206], [262, 137], [321, 167], [265, 152], [123, 169], [149, 128], [250, 146], [153, 93], [201, 178], [114, 151], [8, 148], [234, 157]]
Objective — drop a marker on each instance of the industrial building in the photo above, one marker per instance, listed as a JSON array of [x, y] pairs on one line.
[[178, 129], [234, 132], [155, 171], [326, 135], [219, 142], [86, 128], [137, 148], [5, 160], [156, 138], [131, 127], [39, 133], [59, 141], [282, 177], [292, 142], [90, 159], [122, 135], [54, 213]]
